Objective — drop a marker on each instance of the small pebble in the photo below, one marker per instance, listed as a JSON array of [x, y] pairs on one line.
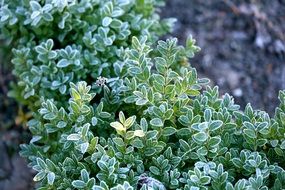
[[237, 92]]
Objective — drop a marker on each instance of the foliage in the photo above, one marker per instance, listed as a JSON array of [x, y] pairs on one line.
[[168, 136], [61, 41], [147, 121]]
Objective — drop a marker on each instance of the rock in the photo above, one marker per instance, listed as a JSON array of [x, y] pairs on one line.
[[237, 92]]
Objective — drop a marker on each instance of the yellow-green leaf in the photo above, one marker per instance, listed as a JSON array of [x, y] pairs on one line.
[[139, 133], [118, 126]]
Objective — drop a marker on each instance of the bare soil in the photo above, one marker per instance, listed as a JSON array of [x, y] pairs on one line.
[[243, 45]]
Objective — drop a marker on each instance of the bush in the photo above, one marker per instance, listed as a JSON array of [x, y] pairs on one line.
[[160, 134], [148, 121], [62, 41]]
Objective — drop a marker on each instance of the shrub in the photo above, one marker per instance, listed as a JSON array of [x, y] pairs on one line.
[[147, 121], [156, 132], [62, 41]]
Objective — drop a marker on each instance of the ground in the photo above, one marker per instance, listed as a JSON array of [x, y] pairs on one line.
[[242, 42], [243, 52], [14, 173]]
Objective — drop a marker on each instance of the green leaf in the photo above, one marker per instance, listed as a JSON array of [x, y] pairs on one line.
[[119, 142], [154, 170], [116, 23], [118, 12], [156, 122], [61, 124], [169, 89], [103, 165], [131, 99], [94, 121], [85, 129], [39, 176], [84, 147], [205, 180], [200, 137], [74, 94], [63, 63], [129, 122], [130, 135], [208, 115], [229, 186], [141, 102], [93, 144], [168, 114], [214, 125], [122, 117], [202, 151], [47, 16], [50, 165], [137, 143], [78, 184], [150, 151], [168, 131], [106, 21], [184, 132], [261, 142], [84, 175], [73, 137], [184, 145], [50, 178], [214, 141], [250, 133], [151, 134], [237, 162], [41, 163], [35, 5]]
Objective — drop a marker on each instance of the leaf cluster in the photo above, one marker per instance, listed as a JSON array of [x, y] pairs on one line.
[[145, 121], [169, 131], [56, 42]]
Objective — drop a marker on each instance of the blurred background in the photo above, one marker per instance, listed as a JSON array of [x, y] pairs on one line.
[[243, 52], [242, 42]]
